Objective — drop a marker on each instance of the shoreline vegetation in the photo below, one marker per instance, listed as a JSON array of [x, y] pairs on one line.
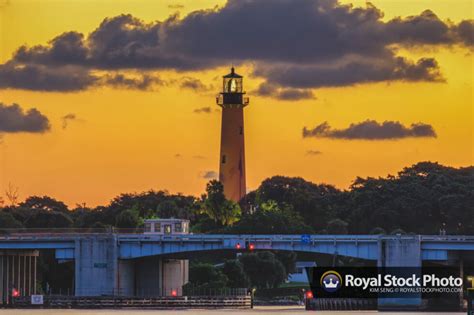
[[440, 197]]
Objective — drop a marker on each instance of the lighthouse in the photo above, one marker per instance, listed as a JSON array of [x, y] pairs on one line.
[[232, 157]]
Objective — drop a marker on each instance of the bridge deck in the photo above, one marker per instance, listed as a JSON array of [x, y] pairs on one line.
[[433, 247]]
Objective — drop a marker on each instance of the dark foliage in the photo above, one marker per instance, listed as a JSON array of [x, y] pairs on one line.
[[234, 271], [423, 199], [263, 269]]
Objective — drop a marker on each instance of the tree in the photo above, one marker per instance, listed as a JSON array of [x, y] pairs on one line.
[[378, 231], [270, 218], [44, 203], [149, 204], [12, 194], [314, 203], [217, 207], [398, 231], [288, 259], [263, 269], [7, 221], [337, 226], [48, 219], [85, 217], [234, 271], [128, 219], [427, 192], [206, 274]]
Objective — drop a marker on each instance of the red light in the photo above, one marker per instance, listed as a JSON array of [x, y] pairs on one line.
[[309, 295], [174, 293], [237, 245], [251, 246], [15, 293]]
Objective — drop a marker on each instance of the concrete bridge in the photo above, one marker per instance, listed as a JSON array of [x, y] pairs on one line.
[[138, 264], [130, 246]]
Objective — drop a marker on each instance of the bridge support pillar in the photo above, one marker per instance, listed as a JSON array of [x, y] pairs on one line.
[[148, 276], [175, 275], [401, 251], [96, 260]]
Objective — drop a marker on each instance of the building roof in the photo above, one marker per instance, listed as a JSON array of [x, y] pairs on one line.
[[172, 220], [232, 74]]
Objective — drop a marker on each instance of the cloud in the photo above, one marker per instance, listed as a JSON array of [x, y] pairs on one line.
[[465, 31], [142, 82], [69, 78], [176, 6], [121, 42], [193, 84], [350, 73], [425, 28], [294, 44], [14, 119], [209, 175], [67, 118], [371, 130], [178, 155], [313, 152], [288, 94], [205, 110], [44, 78]]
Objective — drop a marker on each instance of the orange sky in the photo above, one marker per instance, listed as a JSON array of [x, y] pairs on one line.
[[129, 140]]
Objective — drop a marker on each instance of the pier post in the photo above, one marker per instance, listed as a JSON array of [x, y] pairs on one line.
[[400, 251], [96, 263]]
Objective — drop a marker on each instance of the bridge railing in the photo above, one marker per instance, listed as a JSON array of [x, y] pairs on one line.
[[447, 238], [53, 231], [248, 237], [138, 233]]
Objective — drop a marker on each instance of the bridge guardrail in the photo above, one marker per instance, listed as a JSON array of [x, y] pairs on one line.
[[137, 234], [40, 231]]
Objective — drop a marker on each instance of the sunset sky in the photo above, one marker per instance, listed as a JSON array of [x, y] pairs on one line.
[[123, 92]]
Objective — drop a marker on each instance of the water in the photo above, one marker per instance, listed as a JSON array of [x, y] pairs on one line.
[[281, 310]]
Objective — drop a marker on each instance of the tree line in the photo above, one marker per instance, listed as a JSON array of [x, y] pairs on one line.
[[425, 198]]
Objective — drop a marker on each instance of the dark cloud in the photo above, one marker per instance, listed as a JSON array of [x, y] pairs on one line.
[[66, 49], [289, 94], [142, 82], [465, 31], [14, 119], [371, 130], [425, 28], [193, 84], [203, 110], [68, 118], [298, 76], [209, 175], [45, 78], [68, 78], [293, 43], [176, 6], [313, 152], [178, 155], [120, 42]]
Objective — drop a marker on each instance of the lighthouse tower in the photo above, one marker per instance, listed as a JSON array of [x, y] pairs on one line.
[[232, 158]]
